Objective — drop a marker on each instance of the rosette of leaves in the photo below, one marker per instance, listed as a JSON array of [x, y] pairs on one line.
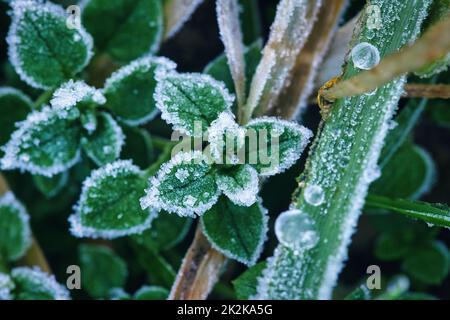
[[49, 141], [191, 182]]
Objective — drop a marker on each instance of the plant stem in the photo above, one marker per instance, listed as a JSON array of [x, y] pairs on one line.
[[430, 91], [176, 12], [34, 256], [199, 271], [341, 163], [433, 45], [43, 99]]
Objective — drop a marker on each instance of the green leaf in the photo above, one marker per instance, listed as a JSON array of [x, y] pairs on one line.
[[6, 287], [45, 143], [409, 174], [109, 203], [50, 187], [118, 294], [101, 270], [417, 296], [239, 183], [191, 102], [395, 288], [237, 232], [186, 185], [34, 284], [440, 113], [245, 285], [275, 145], [219, 70], [429, 264], [393, 245], [42, 49], [14, 107], [15, 234], [105, 143], [360, 293], [129, 91], [126, 29], [138, 146], [432, 213], [167, 231], [151, 293]]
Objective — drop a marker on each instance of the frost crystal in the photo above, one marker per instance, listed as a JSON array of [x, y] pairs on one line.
[[73, 92], [295, 230], [39, 281], [314, 195], [6, 287], [240, 186], [365, 56]]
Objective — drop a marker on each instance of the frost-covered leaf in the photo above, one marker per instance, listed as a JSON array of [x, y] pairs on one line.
[[6, 287], [219, 70], [276, 144], [409, 174], [14, 107], [42, 49], [429, 264], [239, 183], [50, 187], [226, 139], [126, 29], [105, 143], [166, 232], [186, 185], [245, 284], [151, 293], [102, 270], [109, 203], [118, 294], [34, 284], [75, 94], [46, 143], [238, 232], [15, 234], [129, 91], [190, 102]]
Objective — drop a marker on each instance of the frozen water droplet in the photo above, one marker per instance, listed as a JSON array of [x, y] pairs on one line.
[[295, 230], [365, 56], [314, 195]]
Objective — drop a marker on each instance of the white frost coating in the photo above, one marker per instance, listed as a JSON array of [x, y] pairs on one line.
[[19, 7], [223, 134], [119, 140], [6, 91], [191, 80], [73, 92], [177, 12], [6, 286], [290, 156], [289, 32], [43, 280], [11, 160], [9, 200], [153, 198], [231, 35], [141, 64], [111, 170], [262, 239], [243, 195]]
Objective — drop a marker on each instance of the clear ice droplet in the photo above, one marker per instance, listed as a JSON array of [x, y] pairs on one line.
[[295, 230], [314, 195], [365, 56]]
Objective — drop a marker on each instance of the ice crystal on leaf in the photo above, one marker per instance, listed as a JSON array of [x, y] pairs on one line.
[[15, 234], [6, 287], [42, 49], [46, 143], [109, 203], [34, 284], [240, 184], [188, 99]]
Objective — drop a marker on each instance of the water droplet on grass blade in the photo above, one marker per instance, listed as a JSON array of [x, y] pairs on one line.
[[365, 56], [314, 195], [295, 230]]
